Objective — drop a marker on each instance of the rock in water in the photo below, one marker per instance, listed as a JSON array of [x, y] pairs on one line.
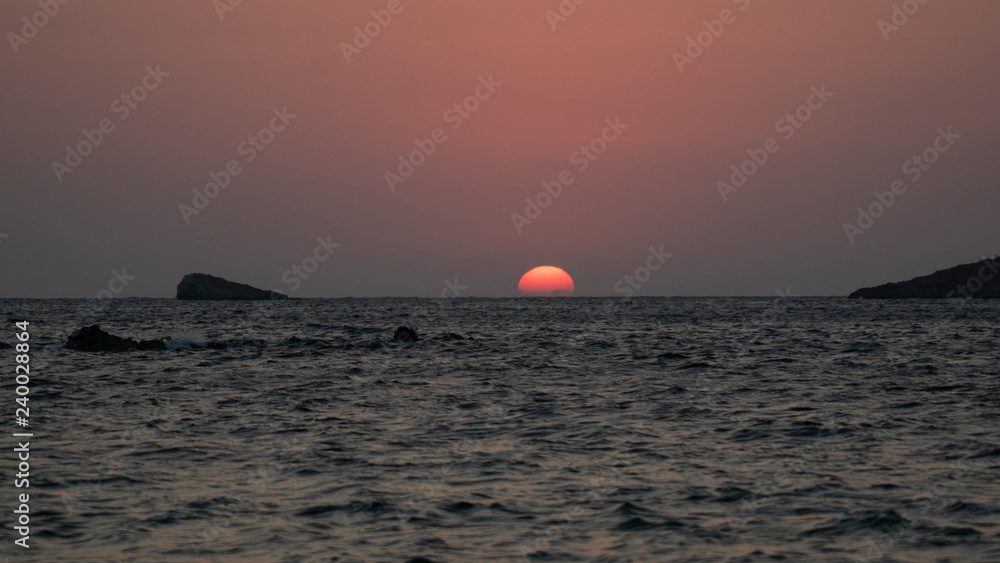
[[4, 345], [405, 334], [206, 287], [93, 339], [450, 336], [980, 280]]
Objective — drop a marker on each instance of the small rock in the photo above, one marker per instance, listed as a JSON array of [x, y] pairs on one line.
[[450, 336], [405, 334]]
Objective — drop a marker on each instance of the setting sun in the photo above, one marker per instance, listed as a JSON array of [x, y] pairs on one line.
[[546, 281]]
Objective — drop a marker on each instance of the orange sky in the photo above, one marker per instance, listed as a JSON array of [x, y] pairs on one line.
[[654, 184]]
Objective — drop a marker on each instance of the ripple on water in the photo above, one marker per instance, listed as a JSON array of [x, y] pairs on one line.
[[650, 430]]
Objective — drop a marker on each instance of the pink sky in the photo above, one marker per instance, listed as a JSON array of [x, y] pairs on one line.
[[323, 175]]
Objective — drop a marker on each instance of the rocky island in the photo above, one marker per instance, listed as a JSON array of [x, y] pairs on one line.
[[202, 287], [980, 280]]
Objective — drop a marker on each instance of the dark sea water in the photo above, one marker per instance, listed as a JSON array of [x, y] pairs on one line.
[[742, 430]]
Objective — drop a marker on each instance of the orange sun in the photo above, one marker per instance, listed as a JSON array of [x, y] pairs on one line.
[[546, 281]]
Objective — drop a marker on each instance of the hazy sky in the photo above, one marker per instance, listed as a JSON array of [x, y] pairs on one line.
[[207, 83]]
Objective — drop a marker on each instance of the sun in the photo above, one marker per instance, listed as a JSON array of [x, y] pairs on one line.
[[546, 281]]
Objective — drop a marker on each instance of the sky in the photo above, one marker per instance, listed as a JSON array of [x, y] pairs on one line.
[[641, 107]]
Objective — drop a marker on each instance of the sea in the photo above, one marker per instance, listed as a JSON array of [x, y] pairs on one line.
[[556, 429]]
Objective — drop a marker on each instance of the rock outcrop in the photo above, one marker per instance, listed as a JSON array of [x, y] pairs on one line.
[[405, 334], [205, 287], [980, 280], [93, 339]]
